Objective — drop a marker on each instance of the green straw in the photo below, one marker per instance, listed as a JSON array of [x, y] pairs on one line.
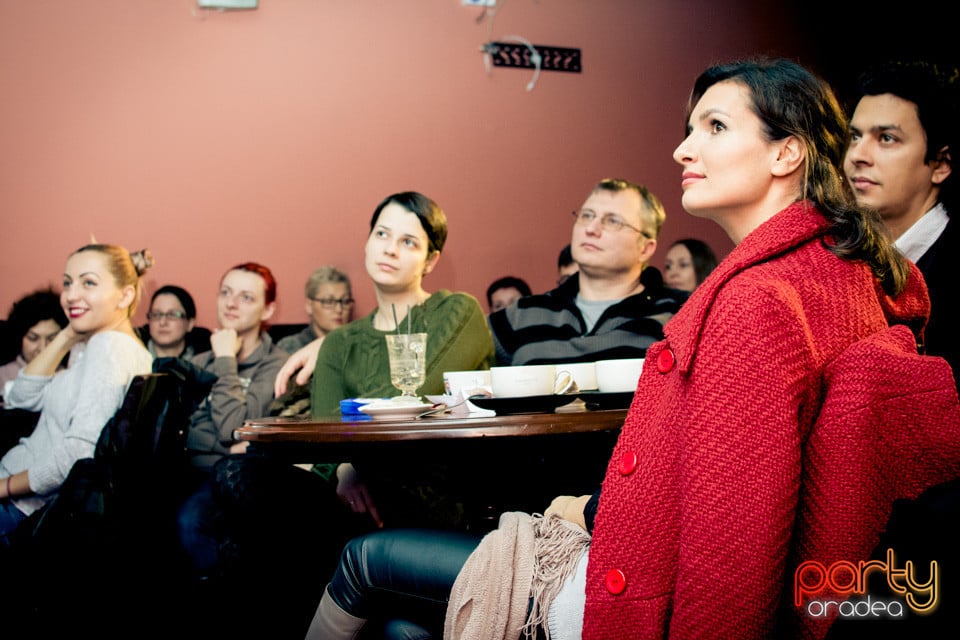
[[408, 319], [395, 322]]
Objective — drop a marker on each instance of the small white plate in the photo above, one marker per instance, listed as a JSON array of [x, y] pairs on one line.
[[394, 409]]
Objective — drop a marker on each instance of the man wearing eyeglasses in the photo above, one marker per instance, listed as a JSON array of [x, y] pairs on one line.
[[329, 304], [606, 310]]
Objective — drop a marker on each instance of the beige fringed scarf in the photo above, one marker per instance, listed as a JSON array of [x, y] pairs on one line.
[[525, 557]]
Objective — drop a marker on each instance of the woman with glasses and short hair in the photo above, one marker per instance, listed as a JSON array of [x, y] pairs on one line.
[[171, 330], [329, 304]]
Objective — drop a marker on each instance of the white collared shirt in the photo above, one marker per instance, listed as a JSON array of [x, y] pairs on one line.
[[915, 241]]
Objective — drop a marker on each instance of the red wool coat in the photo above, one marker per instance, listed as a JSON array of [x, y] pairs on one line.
[[756, 440]]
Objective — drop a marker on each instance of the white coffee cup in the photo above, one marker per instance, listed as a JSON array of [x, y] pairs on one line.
[[583, 373], [618, 376], [523, 380], [466, 383]]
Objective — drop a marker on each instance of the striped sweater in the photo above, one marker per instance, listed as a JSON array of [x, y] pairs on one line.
[[549, 328]]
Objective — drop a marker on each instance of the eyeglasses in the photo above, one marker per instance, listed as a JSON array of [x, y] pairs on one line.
[[166, 315], [333, 303], [608, 222]]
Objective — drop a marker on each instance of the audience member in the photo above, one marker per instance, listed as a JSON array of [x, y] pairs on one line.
[[503, 292], [903, 134], [604, 311], [281, 518], [171, 330], [739, 457], [408, 231], [101, 289], [407, 234], [566, 267], [245, 361], [32, 324], [329, 304], [416, 233], [688, 263]]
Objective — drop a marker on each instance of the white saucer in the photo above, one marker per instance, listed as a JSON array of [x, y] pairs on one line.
[[394, 409]]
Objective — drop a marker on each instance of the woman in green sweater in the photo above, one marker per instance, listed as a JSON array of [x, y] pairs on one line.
[[279, 518], [407, 234]]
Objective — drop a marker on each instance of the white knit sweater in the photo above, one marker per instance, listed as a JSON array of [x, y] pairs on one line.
[[75, 405]]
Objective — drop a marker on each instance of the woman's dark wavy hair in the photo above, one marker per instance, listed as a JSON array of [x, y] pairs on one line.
[[43, 304], [790, 100]]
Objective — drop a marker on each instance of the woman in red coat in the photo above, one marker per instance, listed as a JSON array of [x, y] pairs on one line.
[[772, 428]]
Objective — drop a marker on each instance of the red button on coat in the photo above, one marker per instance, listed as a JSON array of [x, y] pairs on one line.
[[666, 361], [628, 463], [615, 581]]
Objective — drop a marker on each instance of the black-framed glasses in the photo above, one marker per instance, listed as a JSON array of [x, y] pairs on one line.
[[608, 222], [166, 315], [334, 303]]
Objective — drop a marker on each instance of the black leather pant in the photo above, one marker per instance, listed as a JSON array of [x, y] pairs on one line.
[[400, 579]]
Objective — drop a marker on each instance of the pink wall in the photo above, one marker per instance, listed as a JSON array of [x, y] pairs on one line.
[[270, 135]]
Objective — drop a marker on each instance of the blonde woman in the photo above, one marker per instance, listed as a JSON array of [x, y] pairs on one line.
[[101, 289]]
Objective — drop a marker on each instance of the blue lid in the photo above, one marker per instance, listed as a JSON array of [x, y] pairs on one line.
[[351, 406]]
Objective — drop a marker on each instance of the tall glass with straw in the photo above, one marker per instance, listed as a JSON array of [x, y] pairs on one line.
[[408, 360]]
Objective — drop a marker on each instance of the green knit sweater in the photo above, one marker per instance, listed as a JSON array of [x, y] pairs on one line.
[[353, 361]]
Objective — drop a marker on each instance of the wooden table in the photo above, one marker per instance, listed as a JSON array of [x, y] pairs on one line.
[[499, 463], [306, 432]]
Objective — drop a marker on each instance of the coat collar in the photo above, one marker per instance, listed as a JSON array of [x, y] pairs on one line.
[[792, 227]]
